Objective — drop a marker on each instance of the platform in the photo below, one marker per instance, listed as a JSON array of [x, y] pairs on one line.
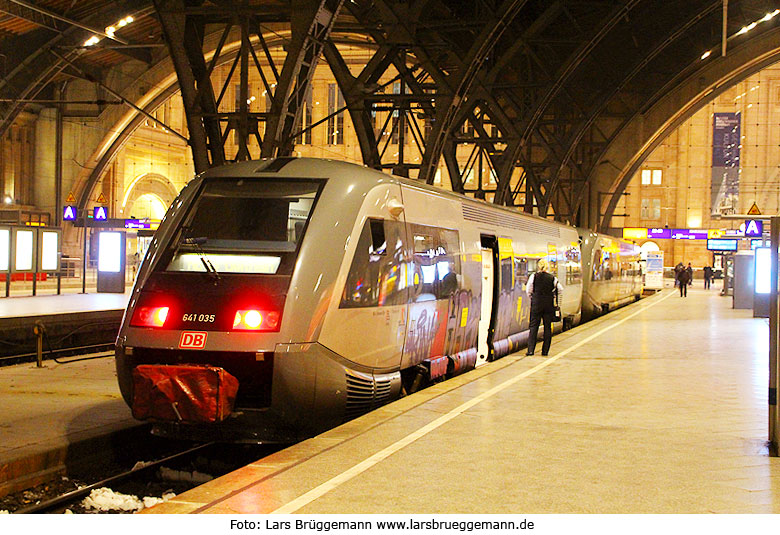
[[41, 305], [71, 320], [659, 407], [51, 415]]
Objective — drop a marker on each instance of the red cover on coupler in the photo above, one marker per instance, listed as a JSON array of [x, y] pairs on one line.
[[183, 393]]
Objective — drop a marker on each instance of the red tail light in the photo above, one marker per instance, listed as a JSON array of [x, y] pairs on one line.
[[149, 316], [256, 320]]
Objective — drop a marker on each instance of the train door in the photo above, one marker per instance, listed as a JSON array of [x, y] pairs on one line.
[[487, 318]]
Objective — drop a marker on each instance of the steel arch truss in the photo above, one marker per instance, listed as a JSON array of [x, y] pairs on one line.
[[210, 124], [520, 99]]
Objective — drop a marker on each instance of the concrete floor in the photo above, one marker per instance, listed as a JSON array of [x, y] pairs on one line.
[[660, 407]]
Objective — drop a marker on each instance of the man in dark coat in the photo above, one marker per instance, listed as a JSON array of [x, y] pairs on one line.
[[677, 269], [707, 277], [543, 288], [683, 279]]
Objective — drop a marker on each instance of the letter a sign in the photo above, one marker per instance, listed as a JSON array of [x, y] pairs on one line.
[[100, 213], [754, 228], [69, 213]]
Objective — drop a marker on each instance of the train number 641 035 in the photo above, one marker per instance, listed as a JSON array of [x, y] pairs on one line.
[[204, 318]]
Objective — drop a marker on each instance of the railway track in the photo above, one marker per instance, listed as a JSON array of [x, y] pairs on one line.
[[172, 473]]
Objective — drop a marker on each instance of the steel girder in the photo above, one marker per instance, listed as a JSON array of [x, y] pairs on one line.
[[184, 24], [526, 94]]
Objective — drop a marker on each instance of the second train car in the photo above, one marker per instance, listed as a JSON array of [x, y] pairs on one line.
[[327, 289]]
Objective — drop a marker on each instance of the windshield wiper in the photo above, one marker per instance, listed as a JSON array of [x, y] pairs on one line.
[[196, 243]]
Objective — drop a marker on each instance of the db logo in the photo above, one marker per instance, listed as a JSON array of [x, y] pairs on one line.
[[192, 340]]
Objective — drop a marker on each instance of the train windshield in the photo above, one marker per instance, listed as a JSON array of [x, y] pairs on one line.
[[244, 226]]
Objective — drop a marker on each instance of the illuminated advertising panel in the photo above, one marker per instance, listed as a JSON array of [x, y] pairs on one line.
[[109, 252], [5, 248], [24, 249], [50, 248], [763, 261]]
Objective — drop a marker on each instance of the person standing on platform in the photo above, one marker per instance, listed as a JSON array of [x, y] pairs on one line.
[[677, 269], [707, 277], [689, 269], [683, 279], [543, 288]]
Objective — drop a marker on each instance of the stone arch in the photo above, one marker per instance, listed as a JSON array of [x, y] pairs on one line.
[[647, 247], [147, 184], [647, 130]]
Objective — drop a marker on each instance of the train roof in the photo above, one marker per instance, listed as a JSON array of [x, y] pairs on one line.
[[290, 167]]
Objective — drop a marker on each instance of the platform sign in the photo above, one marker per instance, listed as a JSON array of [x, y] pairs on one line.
[[688, 234], [69, 213], [24, 249], [100, 213], [754, 228], [5, 249], [634, 233], [654, 276], [659, 233], [137, 224], [49, 250]]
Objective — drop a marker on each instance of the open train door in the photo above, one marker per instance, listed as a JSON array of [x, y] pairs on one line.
[[487, 317]]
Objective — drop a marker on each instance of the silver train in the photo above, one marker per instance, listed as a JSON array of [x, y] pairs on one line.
[[328, 289]]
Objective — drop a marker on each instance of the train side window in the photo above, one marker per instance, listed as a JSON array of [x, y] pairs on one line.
[[521, 270], [436, 262], [378, 275], [506, 274], [597, 266], [573, 265]]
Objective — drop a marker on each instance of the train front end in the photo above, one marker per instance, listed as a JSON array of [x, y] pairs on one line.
[[216, 305]]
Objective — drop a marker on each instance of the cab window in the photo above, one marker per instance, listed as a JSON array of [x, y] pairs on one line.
[[378, 276]]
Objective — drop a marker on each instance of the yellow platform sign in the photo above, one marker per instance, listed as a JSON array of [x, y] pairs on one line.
[[71, 198], [754, 210], [102, 199]]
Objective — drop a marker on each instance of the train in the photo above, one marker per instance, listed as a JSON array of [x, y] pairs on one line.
[[280, 298]]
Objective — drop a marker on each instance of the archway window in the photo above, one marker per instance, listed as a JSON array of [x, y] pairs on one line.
[[648, 247], [652, 177], [149, 206]]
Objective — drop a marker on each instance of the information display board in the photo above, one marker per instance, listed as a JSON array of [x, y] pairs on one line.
[[654, 277], [722, 244]]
